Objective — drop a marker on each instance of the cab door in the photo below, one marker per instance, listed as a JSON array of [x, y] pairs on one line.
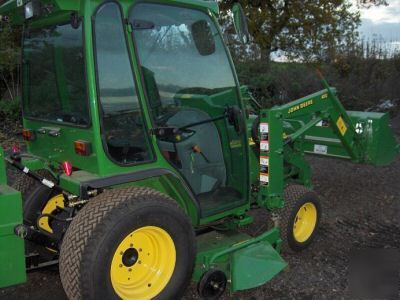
[[194, 102]]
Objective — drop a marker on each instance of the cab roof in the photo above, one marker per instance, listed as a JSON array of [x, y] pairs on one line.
[[14, 9]]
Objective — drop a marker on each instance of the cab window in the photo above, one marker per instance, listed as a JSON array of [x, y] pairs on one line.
[[54, 76], [122, 123]]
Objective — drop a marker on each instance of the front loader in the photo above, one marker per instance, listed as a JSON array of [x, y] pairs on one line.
[[145, 158]]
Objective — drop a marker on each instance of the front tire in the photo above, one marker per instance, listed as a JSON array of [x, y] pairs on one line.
[[133, 243], [300, 218]]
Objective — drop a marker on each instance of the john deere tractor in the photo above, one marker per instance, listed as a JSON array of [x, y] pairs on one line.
[[145, 157]]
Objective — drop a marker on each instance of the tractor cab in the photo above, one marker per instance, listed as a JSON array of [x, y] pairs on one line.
[[138, 84]]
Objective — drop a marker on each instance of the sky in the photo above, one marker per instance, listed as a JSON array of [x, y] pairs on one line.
[[382, 22]]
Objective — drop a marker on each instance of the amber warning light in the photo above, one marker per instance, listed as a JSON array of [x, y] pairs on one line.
[[28, 135], [82, 148]]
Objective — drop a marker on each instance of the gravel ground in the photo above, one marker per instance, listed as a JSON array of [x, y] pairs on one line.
[[361, 206]]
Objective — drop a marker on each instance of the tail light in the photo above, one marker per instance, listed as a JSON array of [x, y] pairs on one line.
[[28, 135], [67, 168], [82, 148]]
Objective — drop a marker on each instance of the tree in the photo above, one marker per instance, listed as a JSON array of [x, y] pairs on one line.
[[302, 29], [10, 54]]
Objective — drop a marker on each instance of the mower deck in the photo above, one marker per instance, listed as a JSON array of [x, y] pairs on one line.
[[249, 261]]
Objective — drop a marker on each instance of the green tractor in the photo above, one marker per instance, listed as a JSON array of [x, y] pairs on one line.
[[145, 157]]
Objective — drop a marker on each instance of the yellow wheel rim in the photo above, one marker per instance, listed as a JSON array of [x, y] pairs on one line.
[[51, 206], [305, 222], [143, 263]]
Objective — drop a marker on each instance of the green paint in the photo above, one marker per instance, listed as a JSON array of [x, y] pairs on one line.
[[254, 265], [247, 262], [12, 258]]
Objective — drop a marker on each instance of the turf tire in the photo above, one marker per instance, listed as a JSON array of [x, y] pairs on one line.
[[295, 197], [91, 240]]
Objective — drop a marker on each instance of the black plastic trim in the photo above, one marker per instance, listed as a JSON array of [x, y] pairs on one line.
[[131, 177]]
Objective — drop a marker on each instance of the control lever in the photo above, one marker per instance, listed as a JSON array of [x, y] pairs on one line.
[[197, 149]]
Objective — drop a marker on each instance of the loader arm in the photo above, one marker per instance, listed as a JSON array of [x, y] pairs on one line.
[[317, 124]]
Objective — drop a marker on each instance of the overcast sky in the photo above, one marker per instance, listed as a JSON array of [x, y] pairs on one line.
[[383, 21]]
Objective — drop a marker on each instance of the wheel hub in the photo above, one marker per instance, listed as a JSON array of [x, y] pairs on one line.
[[212, 284], [130, 257], [50, 207]]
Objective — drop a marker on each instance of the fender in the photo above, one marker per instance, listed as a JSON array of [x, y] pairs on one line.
[[136, 177]]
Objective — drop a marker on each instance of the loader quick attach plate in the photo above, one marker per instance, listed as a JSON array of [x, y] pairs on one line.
[[247, 261]]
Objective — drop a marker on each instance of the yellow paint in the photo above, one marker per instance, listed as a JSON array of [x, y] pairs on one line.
[[235, 144], [341, 125], [305, 222], [251, 142], [324, 96], [300, 106], [51, 206], [153, 269]]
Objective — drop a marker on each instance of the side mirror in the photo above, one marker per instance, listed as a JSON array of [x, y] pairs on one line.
[[235, 118], [240, 22], [203, 37]]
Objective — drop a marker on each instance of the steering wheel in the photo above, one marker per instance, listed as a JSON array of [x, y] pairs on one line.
[[161, 120]]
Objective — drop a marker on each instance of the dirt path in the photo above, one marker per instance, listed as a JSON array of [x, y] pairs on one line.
[[361, 207]]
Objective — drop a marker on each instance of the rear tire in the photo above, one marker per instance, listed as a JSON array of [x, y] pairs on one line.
[[101, 250], [24, 184], [20, 181], [299, 219], [34, 198]]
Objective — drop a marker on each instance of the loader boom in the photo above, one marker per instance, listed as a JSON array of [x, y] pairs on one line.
[[318, 124]]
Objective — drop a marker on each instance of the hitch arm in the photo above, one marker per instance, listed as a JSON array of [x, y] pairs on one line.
[[48, 183]]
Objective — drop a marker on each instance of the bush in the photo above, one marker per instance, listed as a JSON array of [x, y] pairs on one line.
[[361, 83], [10, 109]]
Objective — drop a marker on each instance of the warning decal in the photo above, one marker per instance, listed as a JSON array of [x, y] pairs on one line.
[[264, 128], [264, 164], [264, 146], [341, 126], [264, 161], [264, 178]]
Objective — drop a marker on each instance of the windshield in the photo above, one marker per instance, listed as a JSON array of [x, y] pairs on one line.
[[190, 85], [181, 53], [54, 75]]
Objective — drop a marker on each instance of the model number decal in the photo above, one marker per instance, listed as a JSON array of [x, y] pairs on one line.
[[300, 106], [320, 149]]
